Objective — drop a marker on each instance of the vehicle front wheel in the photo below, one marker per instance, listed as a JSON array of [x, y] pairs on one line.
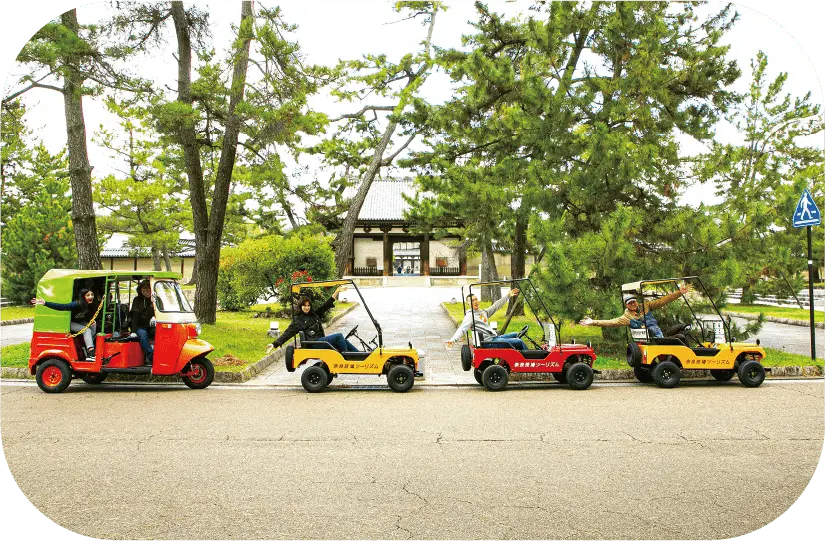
[[466, 357], [400, 378], [53, 376], [751, 373], [495, 377], [94, 378], [579, 376], [722, 375], [477, 374], [314, 379], [202, 373], [666, 374], [642, 374]]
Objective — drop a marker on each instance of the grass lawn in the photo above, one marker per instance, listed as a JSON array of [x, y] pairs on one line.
[[238, 338], [16, 312], [610, 355], [776, 311]]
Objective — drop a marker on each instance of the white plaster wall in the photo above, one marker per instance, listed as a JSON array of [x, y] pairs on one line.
[[439, 249], [365, 248]]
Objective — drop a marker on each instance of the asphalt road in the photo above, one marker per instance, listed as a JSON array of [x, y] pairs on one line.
[[704, 460]]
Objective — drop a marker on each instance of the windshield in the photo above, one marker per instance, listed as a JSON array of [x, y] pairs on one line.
[[169, 297]]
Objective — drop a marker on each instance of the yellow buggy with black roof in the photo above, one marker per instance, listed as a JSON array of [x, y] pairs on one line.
[[704, 344], [325, 362]]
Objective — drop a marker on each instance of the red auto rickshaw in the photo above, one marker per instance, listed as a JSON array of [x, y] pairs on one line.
[[57, 355]]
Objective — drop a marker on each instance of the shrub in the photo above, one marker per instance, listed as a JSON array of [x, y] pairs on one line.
[[264, 267]]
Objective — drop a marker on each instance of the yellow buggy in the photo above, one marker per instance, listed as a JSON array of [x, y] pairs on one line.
[[703, 344], [325, 362]]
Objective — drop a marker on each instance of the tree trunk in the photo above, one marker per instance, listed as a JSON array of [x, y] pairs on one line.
[[209, 225], [489, 273], [80, 171], [343, 242], [518, 261], [155, 257], [166, 261]]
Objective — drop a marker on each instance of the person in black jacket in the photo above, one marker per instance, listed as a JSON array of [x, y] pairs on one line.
[[308, 321], [142, 319], [83, 311]]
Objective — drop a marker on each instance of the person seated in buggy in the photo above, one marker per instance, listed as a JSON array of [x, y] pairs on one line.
[[482, 323], [309, 322]]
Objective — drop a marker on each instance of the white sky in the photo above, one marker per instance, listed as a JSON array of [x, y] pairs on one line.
[[346, 29]]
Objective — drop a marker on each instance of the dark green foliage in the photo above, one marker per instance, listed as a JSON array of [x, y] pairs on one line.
[[37, 238], [266, 266]]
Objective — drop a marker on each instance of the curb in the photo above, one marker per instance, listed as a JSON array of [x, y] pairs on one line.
[[772, 319], [17, 321], [220, 377]]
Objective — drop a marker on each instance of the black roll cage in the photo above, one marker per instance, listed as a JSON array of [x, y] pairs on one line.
[[728, 336], [516, 284], [330, 283]]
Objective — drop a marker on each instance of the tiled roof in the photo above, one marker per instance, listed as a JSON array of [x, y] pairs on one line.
[[186, 248], [384, 200]]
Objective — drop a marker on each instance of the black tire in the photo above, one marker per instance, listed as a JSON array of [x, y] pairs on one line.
[[751, 373], [289, 358], [722, 375], [634, 354], [667, 374], [561, 377], [314, 379], [94, 378], [643, 374], [579, 376], [53, 376], [400, 378], [495, 377], [477, 374], [466, 357], [205, 374]]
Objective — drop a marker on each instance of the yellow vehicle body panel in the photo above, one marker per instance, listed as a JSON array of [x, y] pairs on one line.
[[337, 364], [723, 360]]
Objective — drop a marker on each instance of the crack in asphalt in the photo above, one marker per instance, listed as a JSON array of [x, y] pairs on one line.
[[399, 527], [634, 438], [419, 496], [764, 437]]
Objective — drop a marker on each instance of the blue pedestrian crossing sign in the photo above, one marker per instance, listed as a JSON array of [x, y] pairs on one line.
[[806, 213]]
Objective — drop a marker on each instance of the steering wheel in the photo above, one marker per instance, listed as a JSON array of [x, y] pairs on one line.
[[352, 332], [523, 332]]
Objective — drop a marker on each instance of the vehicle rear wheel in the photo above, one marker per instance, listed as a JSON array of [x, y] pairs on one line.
[[400, 378], [666, 374], [94, 378], [722, 375], [466, 357], [495, 377], [202, 373], [314, 379], [634, 354], [579, 376], [751, 373], [53, 376], [642, 374], [289, 358], [477, 374], [561, 377]]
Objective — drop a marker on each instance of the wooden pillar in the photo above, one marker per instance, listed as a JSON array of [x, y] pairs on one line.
[[181, 267], [387, 250], [351, 260], [135, 263], [425, 254], [462, 261]]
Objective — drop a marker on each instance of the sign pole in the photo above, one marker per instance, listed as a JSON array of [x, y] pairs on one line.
[[811, 295]]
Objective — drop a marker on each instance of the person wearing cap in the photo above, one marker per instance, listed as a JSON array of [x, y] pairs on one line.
[[636, 318], [142, 319]]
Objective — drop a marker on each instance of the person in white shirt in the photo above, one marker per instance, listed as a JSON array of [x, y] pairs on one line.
[[482, 323]]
